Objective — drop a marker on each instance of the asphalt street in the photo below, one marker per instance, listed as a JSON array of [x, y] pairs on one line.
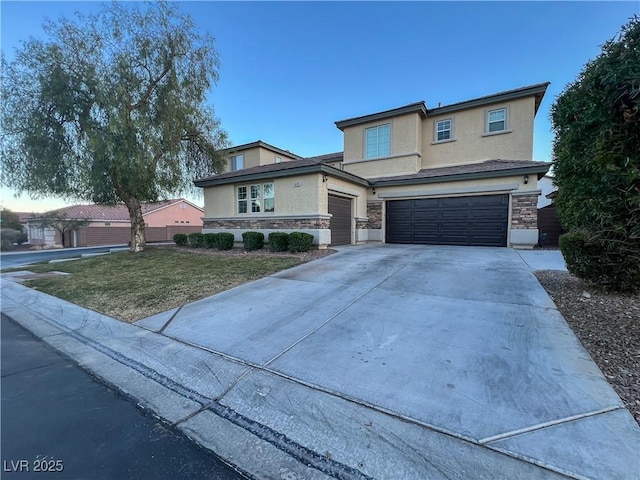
[[16, 259], [59, 422]]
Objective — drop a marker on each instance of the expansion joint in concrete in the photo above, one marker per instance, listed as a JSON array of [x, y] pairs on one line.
[[553, 423], [168, 322]]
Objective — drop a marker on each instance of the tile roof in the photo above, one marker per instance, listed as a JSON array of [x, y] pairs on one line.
[[484, 169], [417, 107], [110, 212], [260, 143], [276, 167], [23, 216], [488, 166], [536, 90]]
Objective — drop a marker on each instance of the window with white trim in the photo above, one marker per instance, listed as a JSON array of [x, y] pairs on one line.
[[444, 130], [237, 163], [497, 120], [256, 198], [242, 199], [278, 159], [378, 141]]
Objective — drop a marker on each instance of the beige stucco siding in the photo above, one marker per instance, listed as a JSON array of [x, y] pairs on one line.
[[256, 156], [384, 167], [219, 201], [405, 138], [483, 186], [251, 157], [298, 195], [268, 157], [358, 193], [470, 142]]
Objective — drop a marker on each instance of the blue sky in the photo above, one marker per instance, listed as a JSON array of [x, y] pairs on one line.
[[289, 70]]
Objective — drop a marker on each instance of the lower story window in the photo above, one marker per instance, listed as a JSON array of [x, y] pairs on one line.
[[256, 198]]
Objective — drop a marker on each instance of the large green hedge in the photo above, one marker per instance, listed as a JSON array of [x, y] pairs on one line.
[[596, 162]]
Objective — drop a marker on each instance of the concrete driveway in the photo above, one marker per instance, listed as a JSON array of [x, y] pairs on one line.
[[385, 361]]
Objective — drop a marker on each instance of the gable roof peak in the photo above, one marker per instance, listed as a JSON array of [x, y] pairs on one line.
[[260, 143], [416, 107]]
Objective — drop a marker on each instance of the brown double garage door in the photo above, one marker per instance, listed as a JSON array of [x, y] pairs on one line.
[[476, 220]]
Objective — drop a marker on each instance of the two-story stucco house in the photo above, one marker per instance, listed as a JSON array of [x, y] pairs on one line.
[[459, 174]]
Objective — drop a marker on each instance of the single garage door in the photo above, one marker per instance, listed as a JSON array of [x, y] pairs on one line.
[[479, 220], [340, 208]]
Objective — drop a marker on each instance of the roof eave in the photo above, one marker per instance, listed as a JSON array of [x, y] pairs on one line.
[[419, 108], [540, 170], [289, 172], [536, 90], [261, 144]]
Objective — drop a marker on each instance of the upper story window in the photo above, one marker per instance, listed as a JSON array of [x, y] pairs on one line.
[[497, 120], [444, 130], [278, 159], [378, 141], [237, 162], [256, 198]]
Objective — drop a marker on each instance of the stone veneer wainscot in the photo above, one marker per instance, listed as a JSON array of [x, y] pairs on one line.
[[524, 211]]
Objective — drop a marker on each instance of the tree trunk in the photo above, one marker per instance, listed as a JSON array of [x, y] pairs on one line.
[[62, 235], [138, 236]]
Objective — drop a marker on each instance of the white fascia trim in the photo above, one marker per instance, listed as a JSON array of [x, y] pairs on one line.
[[332, 187], [389, 157], [269, 217], [506, 187]]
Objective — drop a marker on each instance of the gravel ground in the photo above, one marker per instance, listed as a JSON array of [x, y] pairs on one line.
[[608, 325]]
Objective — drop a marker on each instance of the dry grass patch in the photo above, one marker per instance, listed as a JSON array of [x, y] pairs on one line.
[[134, 286]]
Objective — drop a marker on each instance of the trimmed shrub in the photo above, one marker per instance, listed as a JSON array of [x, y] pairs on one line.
[[300, 242], [9, 236], [210, 240], [601, 261], [22, 237], [180, 239], [196, 240], [224, 241], [278, 241], [253, 240]]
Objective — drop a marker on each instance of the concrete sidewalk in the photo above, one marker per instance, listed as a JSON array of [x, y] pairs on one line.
[[376, 362]]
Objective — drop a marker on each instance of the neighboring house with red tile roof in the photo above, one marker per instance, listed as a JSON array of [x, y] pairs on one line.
[[459, 174], [110, 224]]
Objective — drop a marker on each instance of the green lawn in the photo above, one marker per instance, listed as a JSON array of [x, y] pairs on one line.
[[133, 286]]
